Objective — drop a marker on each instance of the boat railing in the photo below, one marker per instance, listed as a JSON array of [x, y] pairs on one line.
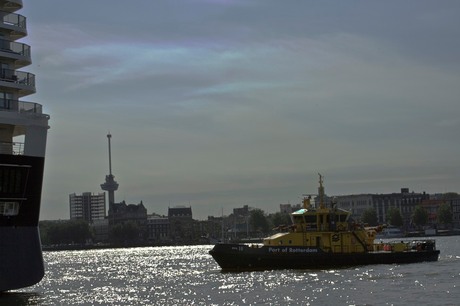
[[406, 245], [14, 47], [13, 20], [12, 148], [30, 107], [20, 106], [19, 77]]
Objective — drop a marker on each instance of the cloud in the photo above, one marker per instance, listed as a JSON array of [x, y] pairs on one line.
[[223, 103]]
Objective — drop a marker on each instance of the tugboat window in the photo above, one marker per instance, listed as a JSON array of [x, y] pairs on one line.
[[318, 241], [9, 208], [298, 219]]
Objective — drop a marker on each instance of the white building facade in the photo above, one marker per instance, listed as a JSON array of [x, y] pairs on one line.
[[87, 206]]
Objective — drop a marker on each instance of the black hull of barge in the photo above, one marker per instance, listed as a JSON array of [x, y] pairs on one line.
[[21, 259], [236, 257]]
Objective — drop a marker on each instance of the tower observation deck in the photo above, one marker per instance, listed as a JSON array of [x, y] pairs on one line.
[[110, 184]]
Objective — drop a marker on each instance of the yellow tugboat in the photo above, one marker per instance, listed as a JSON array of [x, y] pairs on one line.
[[321, 237]]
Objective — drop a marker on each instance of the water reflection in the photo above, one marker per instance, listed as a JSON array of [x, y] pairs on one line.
[[20, 298], [189, 276]]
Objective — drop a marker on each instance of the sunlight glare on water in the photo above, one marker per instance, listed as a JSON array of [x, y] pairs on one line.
[[187, 275]]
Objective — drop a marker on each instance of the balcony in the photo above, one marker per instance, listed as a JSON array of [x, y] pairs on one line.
[[11, 148], [19, 114], [20, 106], [24, 82], [15, 24], [18, 52], [11, 5]]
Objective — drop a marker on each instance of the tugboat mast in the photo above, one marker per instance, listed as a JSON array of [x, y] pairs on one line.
[[321, 191]]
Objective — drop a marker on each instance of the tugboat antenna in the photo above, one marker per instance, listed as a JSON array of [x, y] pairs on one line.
[[321, 191]]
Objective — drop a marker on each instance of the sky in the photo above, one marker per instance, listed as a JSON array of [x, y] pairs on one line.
[[216, 104]]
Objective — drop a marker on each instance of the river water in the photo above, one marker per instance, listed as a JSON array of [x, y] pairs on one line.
[[189, 276]]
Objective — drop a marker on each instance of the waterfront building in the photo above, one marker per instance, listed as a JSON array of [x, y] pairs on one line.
[[215, 228], [239, 222], [100, 229], [87, 206], [432, 206], [122, 213], [241, 211], [455, 204], [356, 204], [285, 208], [181, 224], [404, 201], [157, 229]]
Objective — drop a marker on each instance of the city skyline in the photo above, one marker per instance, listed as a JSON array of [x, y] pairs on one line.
[[220, 104]]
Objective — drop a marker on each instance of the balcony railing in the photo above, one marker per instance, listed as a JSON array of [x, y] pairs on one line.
[[19, 77], [20, 106], [13, 20], [14, 47], [12, 148]]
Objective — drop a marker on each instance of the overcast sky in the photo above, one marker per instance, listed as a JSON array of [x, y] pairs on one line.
[[218, 104]]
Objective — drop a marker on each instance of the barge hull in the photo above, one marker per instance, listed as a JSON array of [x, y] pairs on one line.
[[234, 257], [21, 255], [21, 259]]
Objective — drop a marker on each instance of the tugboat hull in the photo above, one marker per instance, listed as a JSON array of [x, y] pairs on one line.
[[321, 238], [239, 257]]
